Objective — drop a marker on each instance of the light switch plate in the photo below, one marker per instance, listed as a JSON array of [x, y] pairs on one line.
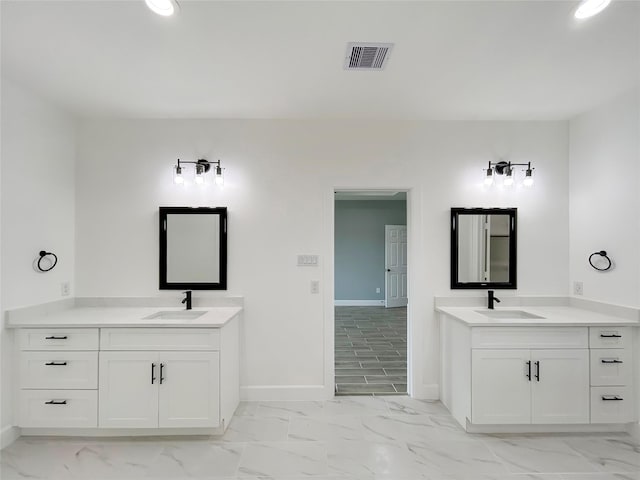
[[315, 286], [307, 260]]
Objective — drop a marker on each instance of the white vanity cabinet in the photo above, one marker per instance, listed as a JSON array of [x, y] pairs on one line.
[[505, 378], [128, 380], [530, 386], [525, 375], [58, 377], [157, 388], [611, 373]]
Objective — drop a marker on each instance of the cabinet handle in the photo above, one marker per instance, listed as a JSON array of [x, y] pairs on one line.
[[610, 361], [56, 338], [161, 373], [615, 335], [153, 373], [56, 402], [55, 364], [611, 398], [528, 375], [537, 371]]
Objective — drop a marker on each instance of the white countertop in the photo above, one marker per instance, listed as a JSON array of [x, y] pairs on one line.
[[552, 316], [124, 317]]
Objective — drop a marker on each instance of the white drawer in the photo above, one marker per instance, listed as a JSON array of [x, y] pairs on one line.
[[58, 408], [58, 339], [609, 337], [610, 366], [160, 339], [611, 405], [59, 370], [529, 337]]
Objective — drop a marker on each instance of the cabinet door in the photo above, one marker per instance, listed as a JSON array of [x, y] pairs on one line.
[[128, 397], [190, 391], [560, 386], [500, 391]]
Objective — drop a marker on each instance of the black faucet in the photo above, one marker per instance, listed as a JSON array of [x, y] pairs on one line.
[[187, 299], [492, 298]]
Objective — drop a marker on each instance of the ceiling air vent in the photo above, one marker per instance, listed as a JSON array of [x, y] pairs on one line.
[[367, 56]]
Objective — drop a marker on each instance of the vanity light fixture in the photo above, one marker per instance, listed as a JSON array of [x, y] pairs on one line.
[[202, 166], [506, 169], [589, 8], [164, 8]]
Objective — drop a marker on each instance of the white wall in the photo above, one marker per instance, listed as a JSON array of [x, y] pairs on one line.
[[38, 204], [605, 199], [279, 179]]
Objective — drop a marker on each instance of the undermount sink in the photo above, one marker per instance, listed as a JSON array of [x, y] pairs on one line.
[[507, 314], [175, 315]]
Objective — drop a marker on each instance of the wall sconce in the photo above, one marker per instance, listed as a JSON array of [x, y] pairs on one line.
[[506, 169], [202, 166]]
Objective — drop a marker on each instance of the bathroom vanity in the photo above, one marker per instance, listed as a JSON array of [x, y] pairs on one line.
[[536, 369], [127, 371]]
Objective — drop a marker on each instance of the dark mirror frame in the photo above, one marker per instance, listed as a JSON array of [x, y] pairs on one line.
[[222, 213], [456, 284]]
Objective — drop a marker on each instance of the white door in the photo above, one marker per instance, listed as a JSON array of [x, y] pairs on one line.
[[128, 390], [560, 386], [189, 389], [500, 387], [395, 265]]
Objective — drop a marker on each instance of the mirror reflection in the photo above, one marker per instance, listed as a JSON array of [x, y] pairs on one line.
[[193, 248], [483, 248]]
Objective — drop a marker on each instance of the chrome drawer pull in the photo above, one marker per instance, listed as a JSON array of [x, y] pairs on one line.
[[615, 335], [55, 364], [56, 338], [611, 398], [56, 402], [611, 361]]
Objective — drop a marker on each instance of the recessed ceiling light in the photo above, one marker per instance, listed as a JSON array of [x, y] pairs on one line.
[[166, 8], [589, 8]]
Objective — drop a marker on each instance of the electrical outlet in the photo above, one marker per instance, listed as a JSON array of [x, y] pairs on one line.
[[378, 290], [315, 286], [65, 289], [577, 288]]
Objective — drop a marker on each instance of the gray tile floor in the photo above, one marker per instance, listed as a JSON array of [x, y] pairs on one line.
[[370, 350], [347, 438]]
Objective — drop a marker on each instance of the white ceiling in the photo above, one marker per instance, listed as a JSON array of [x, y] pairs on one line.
[[485, 60]]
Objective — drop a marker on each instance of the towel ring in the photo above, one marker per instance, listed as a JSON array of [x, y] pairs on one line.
[[601, 253], [44, 254]]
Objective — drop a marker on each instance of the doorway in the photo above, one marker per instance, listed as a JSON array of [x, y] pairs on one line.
[[370, 292]]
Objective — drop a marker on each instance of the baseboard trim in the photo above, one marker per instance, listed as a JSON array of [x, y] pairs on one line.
[[120, 432], [8, 435], [560, 428], [426, 392], [271, 393], [359, 303], [633, 429]]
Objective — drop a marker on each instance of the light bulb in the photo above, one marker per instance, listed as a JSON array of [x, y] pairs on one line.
[[219, 177], [589, 8], [488, 180], [177, 177], [199, 175], [508, 179], [528, 179], [165, 8]]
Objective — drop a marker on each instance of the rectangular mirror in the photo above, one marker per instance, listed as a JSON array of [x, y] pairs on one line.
[[193, 248], [483, 248]]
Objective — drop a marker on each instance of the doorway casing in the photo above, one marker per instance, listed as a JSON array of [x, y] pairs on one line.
[[415, 323]]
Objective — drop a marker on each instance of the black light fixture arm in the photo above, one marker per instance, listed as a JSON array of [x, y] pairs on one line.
[[501, 167], [206, 164]]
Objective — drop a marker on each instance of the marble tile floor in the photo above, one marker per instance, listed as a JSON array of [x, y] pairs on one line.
[[370, 350], [347, 438]]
